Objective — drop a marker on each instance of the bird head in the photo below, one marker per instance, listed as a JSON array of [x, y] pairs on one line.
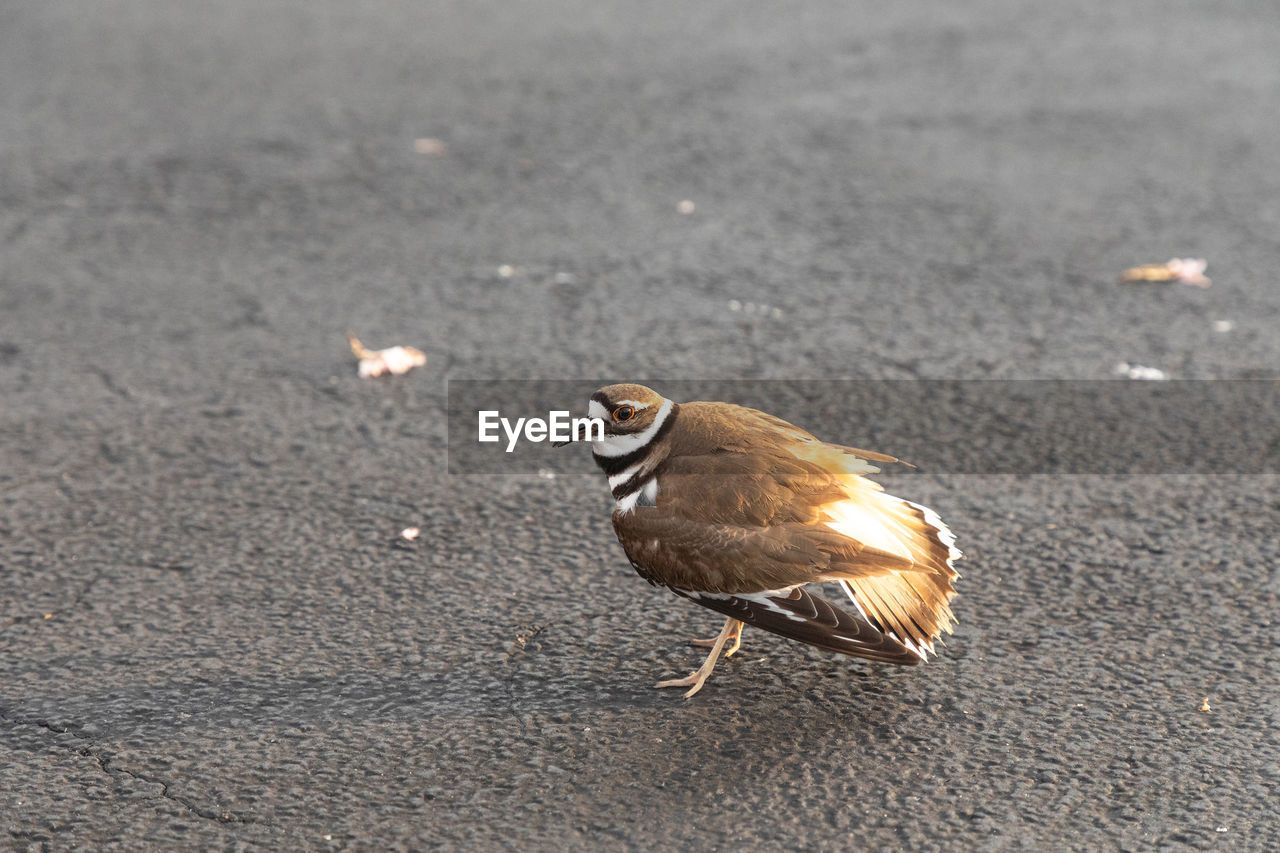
[[626, 409]]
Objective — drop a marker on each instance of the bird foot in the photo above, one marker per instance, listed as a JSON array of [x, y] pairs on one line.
[[732, 628], [697, 678]]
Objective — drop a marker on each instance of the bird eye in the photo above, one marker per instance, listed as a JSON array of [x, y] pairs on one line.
[[623, 413]]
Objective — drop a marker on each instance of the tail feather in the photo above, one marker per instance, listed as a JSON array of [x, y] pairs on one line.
[[912, 601]]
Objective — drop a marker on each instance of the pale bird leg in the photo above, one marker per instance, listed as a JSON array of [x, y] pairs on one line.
[[736, 637], [699, 676]]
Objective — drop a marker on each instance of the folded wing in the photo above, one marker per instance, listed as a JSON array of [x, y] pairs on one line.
[[797, 615]]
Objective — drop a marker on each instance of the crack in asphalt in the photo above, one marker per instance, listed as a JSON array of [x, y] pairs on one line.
[[109, 382], [77, 600], [518, 647], [513, 711], [107, 765]]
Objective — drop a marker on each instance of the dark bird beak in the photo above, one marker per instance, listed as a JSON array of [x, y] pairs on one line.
[[572, 416], [567, 441]]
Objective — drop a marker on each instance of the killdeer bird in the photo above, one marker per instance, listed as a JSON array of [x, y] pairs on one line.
[[738, 510]]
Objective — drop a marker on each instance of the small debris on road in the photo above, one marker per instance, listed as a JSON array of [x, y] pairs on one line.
[[755, 309], [1137, 371], [1184, 270], [393, 360], [433, 147]]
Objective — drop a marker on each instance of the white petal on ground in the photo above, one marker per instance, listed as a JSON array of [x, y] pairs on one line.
[[1189, 271], [392, 361], [1137, 371]]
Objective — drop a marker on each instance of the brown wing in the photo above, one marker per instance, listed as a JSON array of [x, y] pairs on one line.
[[908, 599], [745, 489], [741, 558]]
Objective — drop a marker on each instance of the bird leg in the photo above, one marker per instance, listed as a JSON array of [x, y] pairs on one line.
[[699, 676], [735, 637]]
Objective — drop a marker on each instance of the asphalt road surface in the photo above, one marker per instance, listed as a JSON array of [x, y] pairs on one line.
[[211, 631]]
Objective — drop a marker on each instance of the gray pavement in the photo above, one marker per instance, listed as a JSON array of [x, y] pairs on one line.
[[211, 634]]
